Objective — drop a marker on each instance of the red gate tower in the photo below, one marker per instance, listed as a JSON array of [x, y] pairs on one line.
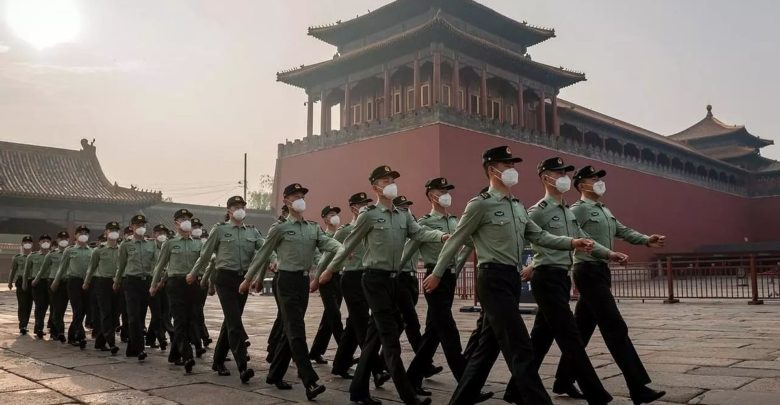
[[425, 86]]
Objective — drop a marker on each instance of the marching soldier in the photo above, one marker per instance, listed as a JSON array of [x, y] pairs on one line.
[[331, 298], [294, 241], [177, 257], [133, 275], [100, 275], [24, 298], [40, 293], [158, 304], [234, 243], [596, 305], [384, 230], [201, 235], [499, 225], [277, 330], [58, 300], [409, 288], [73, 267], [551, 285], [440, 326]]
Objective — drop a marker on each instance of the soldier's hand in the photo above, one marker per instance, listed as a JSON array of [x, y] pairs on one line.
[[35, 283], [326, 276], [152, 291], [85, 286], [212, 290], [656, 241], [583, 245], [430, 283], [526, 273], [54, 286], [257, 287], [618, 257], [116, 287], [314, 285], [190, 278], [204, 283], [244, 287], [445, 237], [272, 267], [10, 286]]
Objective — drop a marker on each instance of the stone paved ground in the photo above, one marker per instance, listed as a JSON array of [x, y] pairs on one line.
[[700, 353]]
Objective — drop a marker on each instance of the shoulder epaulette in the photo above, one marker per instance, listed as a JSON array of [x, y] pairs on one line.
[[542, 204], [425, 216], [516, 199], [578, 202], [341, 227], [370, 207], [17, 255], [311, 222], [453, 216], [484, 196]]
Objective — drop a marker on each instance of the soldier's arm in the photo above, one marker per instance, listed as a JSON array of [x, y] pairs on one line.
[[44, 268], [27, 270], [64, 264], [599, 251], [468, 224], [411, 248], [421, 233], [94, 262], [629, 235], [539, 236], [162, 262], [352, 241], [208, 275], [327, 257], [212, 243], [463, 257], [14, 269], [122, 263], [261, 258]]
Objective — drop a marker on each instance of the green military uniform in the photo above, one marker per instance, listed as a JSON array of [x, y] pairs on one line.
[[601, 225], [408, 293], [73, 267], [40, 292], [24, 298], [330, 294], [103, 266], [58, 300]]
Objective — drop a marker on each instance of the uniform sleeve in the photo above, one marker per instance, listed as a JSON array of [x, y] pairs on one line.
[[469, 223], [44, 267], [162, 262], [208, 275], [359, 232], [212, 243], [122, 262], [14, 269], [463, 257], [539, 236], [599, 251], [629, 235], [411, 247], [327, 257], [261, 257], [421, 233], [64, 264], [27, 270], [94, 262]]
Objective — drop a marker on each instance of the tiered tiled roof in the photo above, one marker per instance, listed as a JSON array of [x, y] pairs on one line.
[[468, 10], [437, 26], [710, 127], [40, 172]]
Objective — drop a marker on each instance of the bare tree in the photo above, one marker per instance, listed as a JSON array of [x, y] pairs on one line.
[[261, 199]]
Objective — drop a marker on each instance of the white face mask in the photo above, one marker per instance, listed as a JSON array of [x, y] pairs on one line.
[[27, 246], [563, 184], [390, 191], [62, 243], [113, 235], [140, 231], [185, 226], [83, 238], [204, 240], [298, 205], [162, 238], [335, 220], [197, 232], [45, 245], [599, 188], [445, 200], [239, 214], [510, 177]]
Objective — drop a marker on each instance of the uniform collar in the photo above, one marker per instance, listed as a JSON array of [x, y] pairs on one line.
[[552, 201], [384, 209], [497, 194], [234, 225], [437, 214], [291, 218], [591, 202]]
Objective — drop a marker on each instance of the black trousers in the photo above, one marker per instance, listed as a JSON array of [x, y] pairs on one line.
[[78, 299], [121, 316], [349, 338], [136, 291], [40, 294], [381, 289], [330, 324], [440, 327], [183, 298], [276, 336], [91, 311], [408, 294], [232, 334], [358, 320], [551, 288], [597, 307], [159, 323], [203, 331], [293, 293], [59, 304], [108, 307], [503, 330], [24, 301]]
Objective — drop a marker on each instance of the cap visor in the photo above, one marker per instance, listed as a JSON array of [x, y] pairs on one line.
[[600, 173]]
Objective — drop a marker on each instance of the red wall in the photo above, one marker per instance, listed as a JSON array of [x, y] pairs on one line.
[[689, 215]]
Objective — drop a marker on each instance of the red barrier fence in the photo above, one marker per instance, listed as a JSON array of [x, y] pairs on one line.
[[751, 276]]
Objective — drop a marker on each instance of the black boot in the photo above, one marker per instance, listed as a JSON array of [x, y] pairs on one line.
[[280, 385], [365, 401], [569, 390], [188, 365], [247, 375], [313, 390], [646, 395], [220, 369]]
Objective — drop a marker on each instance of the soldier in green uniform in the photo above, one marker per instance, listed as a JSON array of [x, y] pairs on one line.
[[384, 230], [596, 305], [24, 298], [134, 276], [499, 225], [158, 304], [73, 267], [440, 326], [40, 292], [551, 285], [331, 296], [201, 235], [177, 257], [277, 330], [99, 280], [294, 241], [58, 301], [234, 244], [409, 288]]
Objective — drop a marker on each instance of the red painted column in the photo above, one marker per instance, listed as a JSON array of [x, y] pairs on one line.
[[556, 130], [310, 116], [456, 85], [417, 98], [346, 122], [388, 102], [542, 114], [520, 110], [436, 90], [483, 93], [324, 114]]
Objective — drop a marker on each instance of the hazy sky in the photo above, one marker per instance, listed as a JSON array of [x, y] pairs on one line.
[[175, 91]]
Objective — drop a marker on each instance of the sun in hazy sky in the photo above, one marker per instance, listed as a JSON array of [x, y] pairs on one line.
[[43, 23]]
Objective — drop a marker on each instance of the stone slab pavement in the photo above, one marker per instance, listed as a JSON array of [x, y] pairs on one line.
[[718, 353]]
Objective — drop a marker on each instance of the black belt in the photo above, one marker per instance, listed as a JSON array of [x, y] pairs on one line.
[[498, 266], [177, 276], [550, 268], [142, 278], [385, 273]]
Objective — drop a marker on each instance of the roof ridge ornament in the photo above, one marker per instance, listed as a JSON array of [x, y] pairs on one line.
[[709, 110]]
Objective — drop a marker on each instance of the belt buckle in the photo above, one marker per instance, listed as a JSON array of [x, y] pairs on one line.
[[394, 274]]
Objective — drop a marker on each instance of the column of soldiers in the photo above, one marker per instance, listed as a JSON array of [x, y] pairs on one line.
[[370, 264]]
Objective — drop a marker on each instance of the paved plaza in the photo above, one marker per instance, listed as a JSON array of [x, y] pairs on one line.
[[699, 352]]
